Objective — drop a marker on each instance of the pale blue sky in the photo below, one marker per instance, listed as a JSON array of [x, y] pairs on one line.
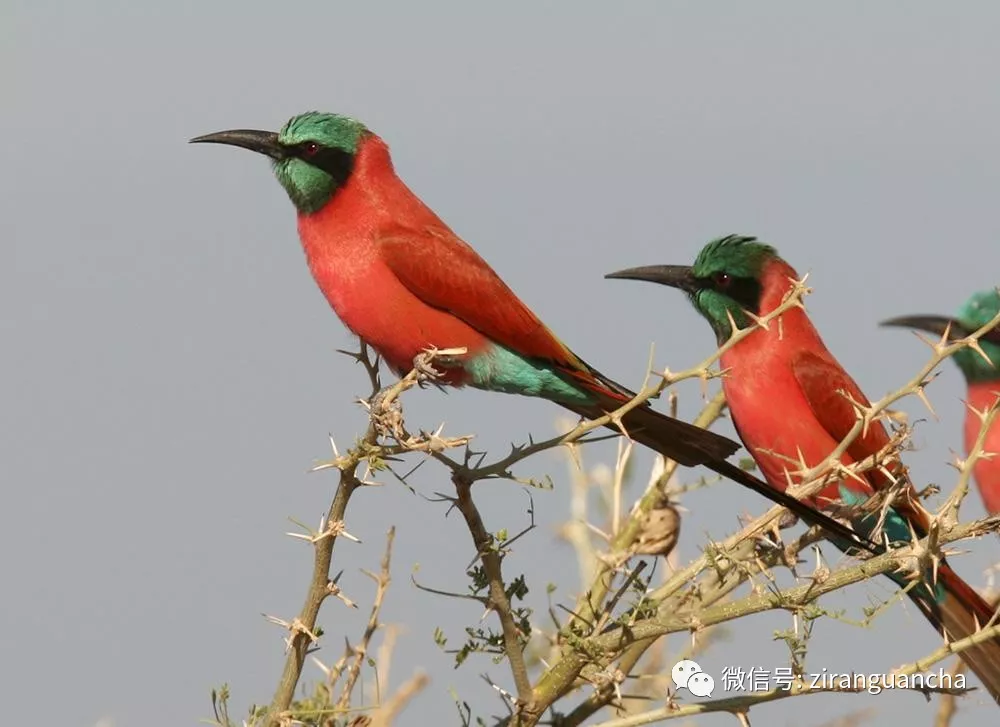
[[169, 370]]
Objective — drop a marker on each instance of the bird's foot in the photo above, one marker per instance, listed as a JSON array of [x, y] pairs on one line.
[[423, 363], [425, 370]]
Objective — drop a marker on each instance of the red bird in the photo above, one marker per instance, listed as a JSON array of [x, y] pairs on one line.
[[982, 377], [401, 280], [784, 389]]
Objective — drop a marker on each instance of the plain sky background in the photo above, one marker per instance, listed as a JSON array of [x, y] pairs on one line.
[[169, 369]]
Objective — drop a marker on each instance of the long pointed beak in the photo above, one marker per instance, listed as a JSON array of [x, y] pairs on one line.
[[676, 276], [932, 324], [937, 325], [262, 142]]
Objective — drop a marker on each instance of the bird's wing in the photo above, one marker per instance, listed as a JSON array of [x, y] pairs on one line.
[[824, 384], [445, 272]]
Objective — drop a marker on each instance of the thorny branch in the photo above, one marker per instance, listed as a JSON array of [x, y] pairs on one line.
[[383, 411], [802, 687], [486, 549], [562, 677], [361, 651], [595, 646]]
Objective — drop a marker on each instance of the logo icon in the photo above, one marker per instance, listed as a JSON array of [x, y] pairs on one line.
[[686, 674]]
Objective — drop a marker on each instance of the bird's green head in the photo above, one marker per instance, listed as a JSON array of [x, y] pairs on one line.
[[313, 154], [724, 281], [977, 311]]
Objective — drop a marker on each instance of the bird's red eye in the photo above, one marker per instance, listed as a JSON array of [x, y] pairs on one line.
[[722, 280], [310, 148]]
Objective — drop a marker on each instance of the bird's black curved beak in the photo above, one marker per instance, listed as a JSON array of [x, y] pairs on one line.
[[932, 324], [262, 142], [676, 276]]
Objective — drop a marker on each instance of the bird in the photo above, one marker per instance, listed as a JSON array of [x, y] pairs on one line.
[[982, 377], [402, 281], [785, 393]]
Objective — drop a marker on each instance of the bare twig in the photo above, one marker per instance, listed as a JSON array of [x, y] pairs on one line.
[[947, 705], [384, 715], [382, 580]]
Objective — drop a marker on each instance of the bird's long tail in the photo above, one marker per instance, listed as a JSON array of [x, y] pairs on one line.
[[691, 445], [952, 606], [956, 609], [958, 613]]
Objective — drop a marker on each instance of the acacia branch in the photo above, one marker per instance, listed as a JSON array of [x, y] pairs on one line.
[[690, 600], [320, 585], [589, 604], [800, 687], [498, 601], [562, 676], [602, 649], [385, 419]]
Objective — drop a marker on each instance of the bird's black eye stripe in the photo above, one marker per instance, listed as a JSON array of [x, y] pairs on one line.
[[745, 291], [335, 162]]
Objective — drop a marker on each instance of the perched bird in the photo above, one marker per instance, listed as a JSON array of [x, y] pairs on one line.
[[784, 389], [401, 280], [981, 376]]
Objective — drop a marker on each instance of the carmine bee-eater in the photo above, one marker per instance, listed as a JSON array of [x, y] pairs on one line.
[[784, 389], [981, 376], [402, 281]]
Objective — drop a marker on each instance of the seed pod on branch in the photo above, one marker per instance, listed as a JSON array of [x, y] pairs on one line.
[[660, 530]]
